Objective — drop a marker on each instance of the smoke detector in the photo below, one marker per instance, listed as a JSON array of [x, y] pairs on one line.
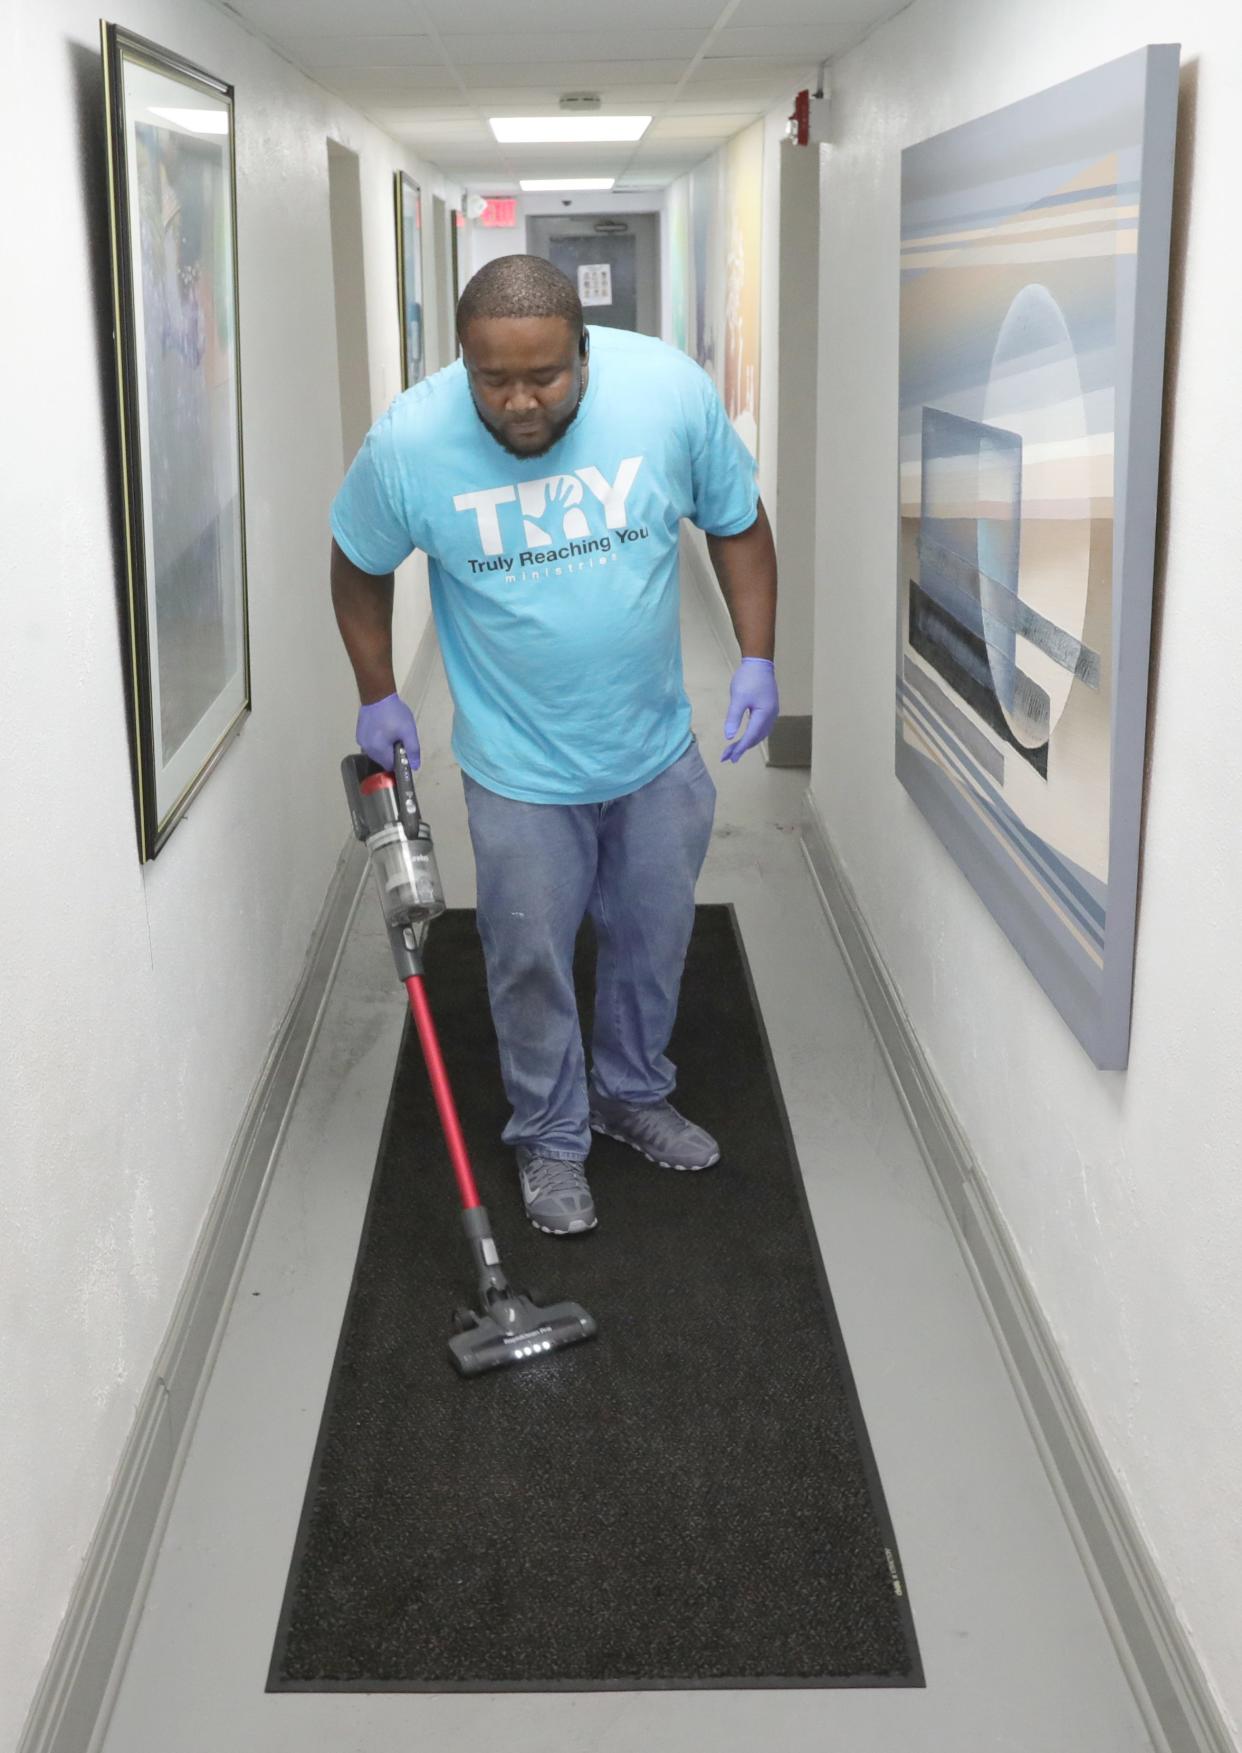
[[581, 103]]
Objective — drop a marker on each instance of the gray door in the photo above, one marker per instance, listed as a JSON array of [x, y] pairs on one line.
[[612, 259]]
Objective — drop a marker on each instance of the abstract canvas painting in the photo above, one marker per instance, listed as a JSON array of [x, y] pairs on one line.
[[172, 209], [1034, 269], [743, 226], [409, 215]]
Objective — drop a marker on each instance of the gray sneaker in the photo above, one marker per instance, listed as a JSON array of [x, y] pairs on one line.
[[555, 1193], [656, 1129]]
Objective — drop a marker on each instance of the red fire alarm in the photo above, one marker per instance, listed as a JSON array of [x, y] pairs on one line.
[[800, 121], [808, 124]]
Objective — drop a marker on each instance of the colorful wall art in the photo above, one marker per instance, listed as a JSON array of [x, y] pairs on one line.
[[743, 268], [715, 253]]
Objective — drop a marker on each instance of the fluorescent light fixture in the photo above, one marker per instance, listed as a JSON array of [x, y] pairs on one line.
[[197, 121], [545, 185], [566, 130]]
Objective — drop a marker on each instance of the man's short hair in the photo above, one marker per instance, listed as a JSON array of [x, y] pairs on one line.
[[519, 286]]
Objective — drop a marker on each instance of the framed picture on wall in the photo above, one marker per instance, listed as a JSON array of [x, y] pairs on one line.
[[410, 277], [457, 224], [172, 206], [1034, 274]]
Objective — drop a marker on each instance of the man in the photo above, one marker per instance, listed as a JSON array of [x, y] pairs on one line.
[[545, 476]]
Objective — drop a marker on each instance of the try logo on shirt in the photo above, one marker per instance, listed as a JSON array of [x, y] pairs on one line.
[[567, 497]]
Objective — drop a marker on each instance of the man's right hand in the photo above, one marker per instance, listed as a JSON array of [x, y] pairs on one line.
[[383, 723]]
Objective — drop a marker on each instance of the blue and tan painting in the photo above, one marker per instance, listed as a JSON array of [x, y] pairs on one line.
[[1018, 252]]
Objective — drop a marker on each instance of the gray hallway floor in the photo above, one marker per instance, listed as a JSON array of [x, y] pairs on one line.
[[1016, 1653]]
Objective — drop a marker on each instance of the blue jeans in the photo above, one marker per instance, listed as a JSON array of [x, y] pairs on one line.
[[632, 865]]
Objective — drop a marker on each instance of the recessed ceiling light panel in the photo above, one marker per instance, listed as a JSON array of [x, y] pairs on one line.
[[546, 185], [566, 130]]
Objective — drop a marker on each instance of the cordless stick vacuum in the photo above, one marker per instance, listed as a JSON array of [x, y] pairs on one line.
[[384, 808]]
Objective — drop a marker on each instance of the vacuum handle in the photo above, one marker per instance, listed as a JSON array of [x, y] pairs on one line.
[[357, 769], [407, 799]]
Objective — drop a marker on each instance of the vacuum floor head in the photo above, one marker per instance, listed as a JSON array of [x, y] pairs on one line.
[[514, 1330]]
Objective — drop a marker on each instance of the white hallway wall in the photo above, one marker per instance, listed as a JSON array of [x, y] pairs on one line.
[[1122, 1191], [139, 1003]]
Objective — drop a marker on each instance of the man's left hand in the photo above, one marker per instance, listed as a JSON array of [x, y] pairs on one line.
[[753, 695]]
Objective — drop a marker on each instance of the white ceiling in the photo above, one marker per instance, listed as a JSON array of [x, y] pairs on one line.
[[430, 72]]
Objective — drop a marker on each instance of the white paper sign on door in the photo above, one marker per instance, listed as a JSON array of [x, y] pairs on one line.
[[595, 283]]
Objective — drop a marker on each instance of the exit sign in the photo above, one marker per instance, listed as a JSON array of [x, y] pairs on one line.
[[500, 214]]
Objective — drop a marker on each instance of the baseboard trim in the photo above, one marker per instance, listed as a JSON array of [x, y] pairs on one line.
[[74, 1700], [1172, 1691]]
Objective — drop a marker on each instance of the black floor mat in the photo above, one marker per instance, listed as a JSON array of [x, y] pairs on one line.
[[688, 1500]]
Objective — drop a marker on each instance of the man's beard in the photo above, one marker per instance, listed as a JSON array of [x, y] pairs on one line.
[[559, 430]]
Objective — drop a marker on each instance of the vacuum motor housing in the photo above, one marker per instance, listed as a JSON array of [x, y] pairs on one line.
[[386, 818]]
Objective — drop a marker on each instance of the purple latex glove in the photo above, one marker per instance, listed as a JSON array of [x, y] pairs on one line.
[[383, 723], [752, 691]]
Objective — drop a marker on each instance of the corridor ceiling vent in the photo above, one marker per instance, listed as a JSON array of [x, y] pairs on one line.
[[580, 102], [566, 130]]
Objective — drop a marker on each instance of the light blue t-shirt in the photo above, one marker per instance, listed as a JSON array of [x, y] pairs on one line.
[[554, 579]]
